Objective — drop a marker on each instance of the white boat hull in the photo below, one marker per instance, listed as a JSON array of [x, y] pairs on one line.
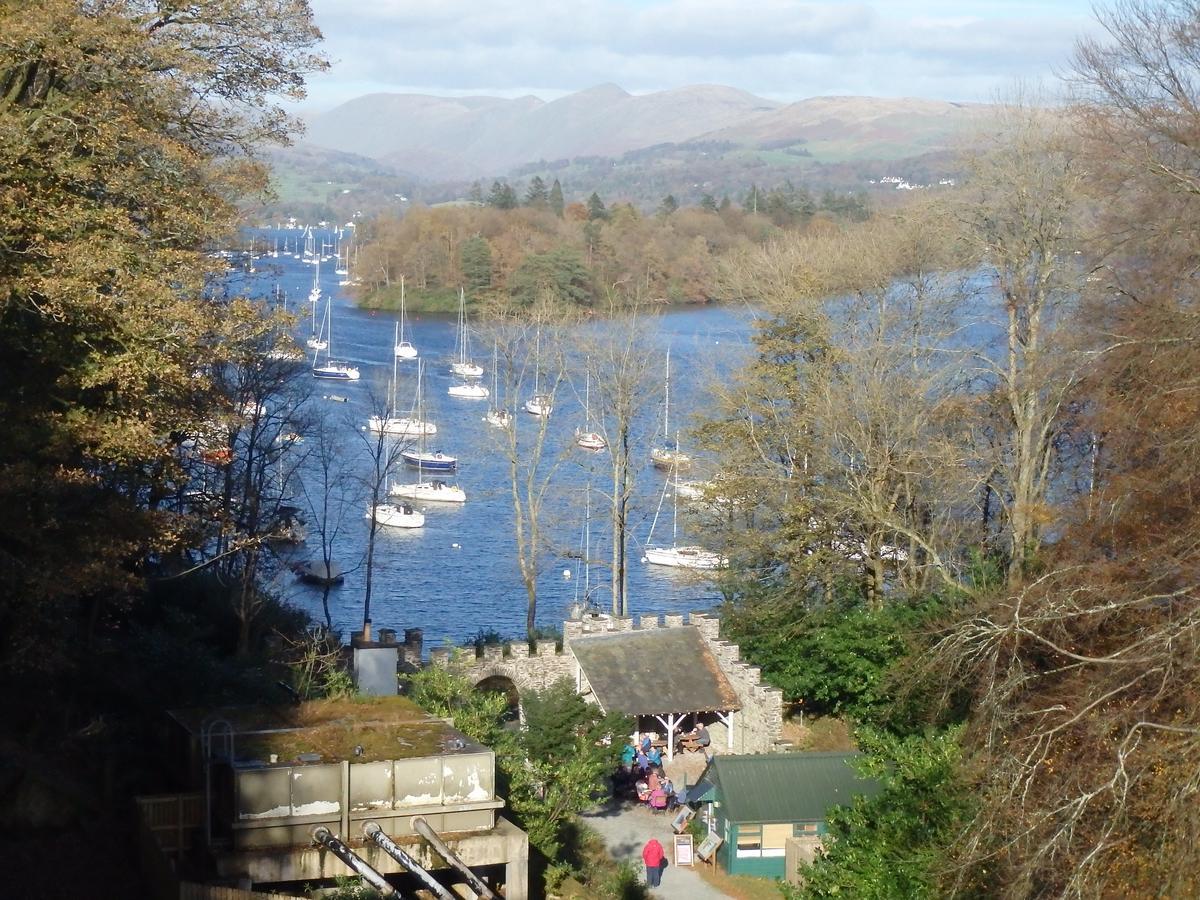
[[498, 418], [397, 516], [405, 350], [401, 426], [538, 406], [434, 491], [590, 440], [337, 372], [469, 391], [466, 370], [685, 558], [664, 458]]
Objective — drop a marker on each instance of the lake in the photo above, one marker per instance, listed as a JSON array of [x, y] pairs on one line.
[[458, 574]]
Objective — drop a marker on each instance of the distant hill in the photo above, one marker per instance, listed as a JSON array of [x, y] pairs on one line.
[[453, 138], [468, 137]]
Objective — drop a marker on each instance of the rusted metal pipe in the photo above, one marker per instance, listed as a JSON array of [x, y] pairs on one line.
[[421, 827], [325, 838], [388, 846]]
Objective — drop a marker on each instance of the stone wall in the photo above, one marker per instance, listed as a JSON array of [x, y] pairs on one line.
[[757, 725]]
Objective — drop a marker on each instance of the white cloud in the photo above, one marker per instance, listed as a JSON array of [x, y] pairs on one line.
[[783, 49]]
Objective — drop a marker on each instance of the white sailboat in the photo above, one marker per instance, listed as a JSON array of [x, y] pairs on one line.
[[463, 365], [434, 490], [539, 404], [314, 294], [687, 557], [332, 369], [496, 417], [421, 459], [669, 456], [585, 437], [397, 515], [401, 426], [585, 554], [316, 339], [468, 390], [404, 349]]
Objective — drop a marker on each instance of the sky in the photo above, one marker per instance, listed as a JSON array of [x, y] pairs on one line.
[[967, 50]]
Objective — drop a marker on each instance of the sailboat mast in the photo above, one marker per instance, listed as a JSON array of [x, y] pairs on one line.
[[392, 404], [675, 502], [587, 539], [667, 400], [400, 332]]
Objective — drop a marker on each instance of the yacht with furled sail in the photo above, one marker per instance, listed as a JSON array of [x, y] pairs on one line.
[[586, 437], [539, 404], [420, 458], [332, 369], [463, 366], [685, 557], [401, 426], [495, 416], [668, 456], [404, 349]]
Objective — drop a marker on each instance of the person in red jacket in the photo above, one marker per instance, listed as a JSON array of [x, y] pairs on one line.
[[654, 857]]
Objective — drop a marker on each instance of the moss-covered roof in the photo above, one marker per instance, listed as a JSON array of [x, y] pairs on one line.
[[786, 787], [654, 672], [384, 727]]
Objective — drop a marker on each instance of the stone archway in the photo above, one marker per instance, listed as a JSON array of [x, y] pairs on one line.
[[501, 683]]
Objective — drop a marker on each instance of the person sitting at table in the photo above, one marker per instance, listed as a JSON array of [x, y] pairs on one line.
[[655, 756], [696, 739], [647, 743], [653, 780], [643, 791]]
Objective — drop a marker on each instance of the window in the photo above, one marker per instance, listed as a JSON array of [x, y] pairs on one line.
[[749, 840], [805, 829], [775, 839]]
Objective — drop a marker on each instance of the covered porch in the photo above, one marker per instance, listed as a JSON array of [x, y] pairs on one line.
[[666, 679]]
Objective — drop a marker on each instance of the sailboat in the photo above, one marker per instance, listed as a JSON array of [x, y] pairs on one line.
[[397, 516], [404, 349], [463, 366], [687, 557], [585, 553], [420, 458], [401, 426], [668, 456], [539, 404], [586, 437], [314, 295], [496, 417], [316, 340], [332, 369]]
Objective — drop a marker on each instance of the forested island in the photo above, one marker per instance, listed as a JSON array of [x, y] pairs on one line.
[[950, 487], [589, 255]]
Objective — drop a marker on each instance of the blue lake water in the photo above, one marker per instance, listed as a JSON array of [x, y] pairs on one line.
[[458, 574]]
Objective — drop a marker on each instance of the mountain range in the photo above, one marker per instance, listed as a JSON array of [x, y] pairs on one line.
[[448, 138]]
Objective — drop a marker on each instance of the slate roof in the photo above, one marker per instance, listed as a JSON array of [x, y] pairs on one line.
[[786, 787], [657, 671]]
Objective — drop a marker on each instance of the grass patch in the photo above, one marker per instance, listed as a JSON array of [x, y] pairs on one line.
[[740, 887], [435, 300], [819, 733]]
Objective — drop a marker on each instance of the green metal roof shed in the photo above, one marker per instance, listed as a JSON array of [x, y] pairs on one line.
[[785, 787]]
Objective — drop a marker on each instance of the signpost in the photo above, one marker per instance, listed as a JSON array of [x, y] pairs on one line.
[[683, 850], [709, 846]]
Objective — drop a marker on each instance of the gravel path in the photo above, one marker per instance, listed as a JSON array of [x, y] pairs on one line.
[[626, 827]]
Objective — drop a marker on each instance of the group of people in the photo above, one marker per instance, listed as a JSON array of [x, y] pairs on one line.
[[642, 761]]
